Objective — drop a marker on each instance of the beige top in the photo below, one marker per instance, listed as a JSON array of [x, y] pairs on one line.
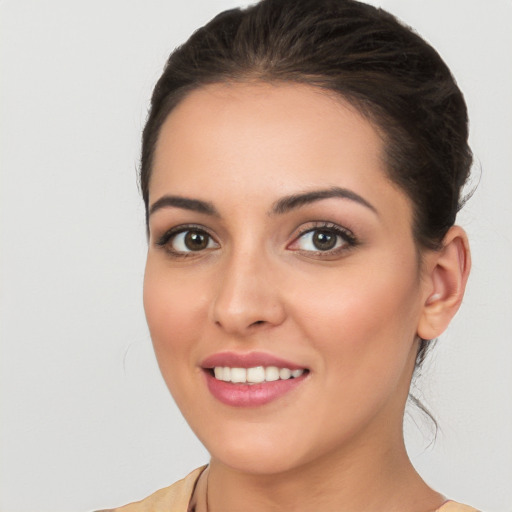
[[176, 498]]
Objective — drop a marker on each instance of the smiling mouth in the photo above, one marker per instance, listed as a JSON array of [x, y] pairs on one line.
[[244, 385], [254, 375]]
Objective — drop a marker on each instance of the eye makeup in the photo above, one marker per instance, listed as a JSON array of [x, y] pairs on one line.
[[315, 239], [187, 240], [323, 239]]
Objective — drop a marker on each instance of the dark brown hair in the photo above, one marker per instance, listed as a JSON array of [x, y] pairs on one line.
[[383, 68]]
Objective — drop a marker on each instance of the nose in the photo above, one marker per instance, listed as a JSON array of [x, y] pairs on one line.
[[247, 296]]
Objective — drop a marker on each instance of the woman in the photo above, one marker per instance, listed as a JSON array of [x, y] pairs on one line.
[[302, 167]]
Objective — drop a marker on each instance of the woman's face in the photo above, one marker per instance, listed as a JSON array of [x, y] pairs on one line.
[[277, 243]]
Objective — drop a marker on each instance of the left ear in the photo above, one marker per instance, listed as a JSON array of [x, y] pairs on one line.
[[445, 274]]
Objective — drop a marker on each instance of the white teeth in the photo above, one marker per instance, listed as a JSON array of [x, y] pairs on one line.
[[254, 375], [285, 373], [238, 375], [271, 373]]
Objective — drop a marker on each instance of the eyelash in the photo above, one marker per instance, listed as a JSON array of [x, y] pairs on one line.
[[171, 234], [349, 241], [348, 238]]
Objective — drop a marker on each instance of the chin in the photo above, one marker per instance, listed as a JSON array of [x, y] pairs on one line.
[[250, 448], [260, 451], [254, 461]]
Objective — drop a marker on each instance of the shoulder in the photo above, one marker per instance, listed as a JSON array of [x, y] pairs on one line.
[[175, 498], [453, 506]]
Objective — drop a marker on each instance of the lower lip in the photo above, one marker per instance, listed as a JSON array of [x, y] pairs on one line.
[[250, 395]]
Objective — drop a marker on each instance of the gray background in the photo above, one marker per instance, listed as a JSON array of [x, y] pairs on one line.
[[86, 419]]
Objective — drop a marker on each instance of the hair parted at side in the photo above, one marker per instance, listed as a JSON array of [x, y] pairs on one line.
[[364, 54]]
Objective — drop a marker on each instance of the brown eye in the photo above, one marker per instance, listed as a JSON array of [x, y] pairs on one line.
[[321, 240], [187, 241], [324, 240], [196, 240], [328, 240]]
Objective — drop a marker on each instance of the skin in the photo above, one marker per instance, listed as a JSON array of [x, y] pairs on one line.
[[351, 315]]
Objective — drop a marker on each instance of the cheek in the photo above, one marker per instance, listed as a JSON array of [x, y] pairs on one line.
[[363, 323], [175, 316]]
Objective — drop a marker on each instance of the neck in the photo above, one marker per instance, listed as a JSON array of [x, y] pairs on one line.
[[365, 479]]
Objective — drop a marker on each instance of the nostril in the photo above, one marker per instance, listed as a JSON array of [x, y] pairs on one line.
[[258, 322]]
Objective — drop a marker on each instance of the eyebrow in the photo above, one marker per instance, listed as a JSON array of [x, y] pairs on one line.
[[185, 203], [294, 201], [280, 207]]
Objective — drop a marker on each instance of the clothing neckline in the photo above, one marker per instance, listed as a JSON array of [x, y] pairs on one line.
[[447, 506]]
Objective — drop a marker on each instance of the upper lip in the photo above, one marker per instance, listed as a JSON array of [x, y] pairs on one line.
[[248, 360]]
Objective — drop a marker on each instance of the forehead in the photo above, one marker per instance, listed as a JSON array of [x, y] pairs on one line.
[[264, 113], [270, 140]]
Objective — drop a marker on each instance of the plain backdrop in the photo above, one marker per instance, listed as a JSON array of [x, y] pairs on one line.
[[86, 421]]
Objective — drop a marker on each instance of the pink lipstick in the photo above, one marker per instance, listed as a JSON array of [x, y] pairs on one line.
[[252, 379]]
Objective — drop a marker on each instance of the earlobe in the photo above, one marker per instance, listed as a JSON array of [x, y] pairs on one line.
[[446, 277]]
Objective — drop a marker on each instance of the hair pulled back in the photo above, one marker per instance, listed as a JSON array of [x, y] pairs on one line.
[[380, 66]]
